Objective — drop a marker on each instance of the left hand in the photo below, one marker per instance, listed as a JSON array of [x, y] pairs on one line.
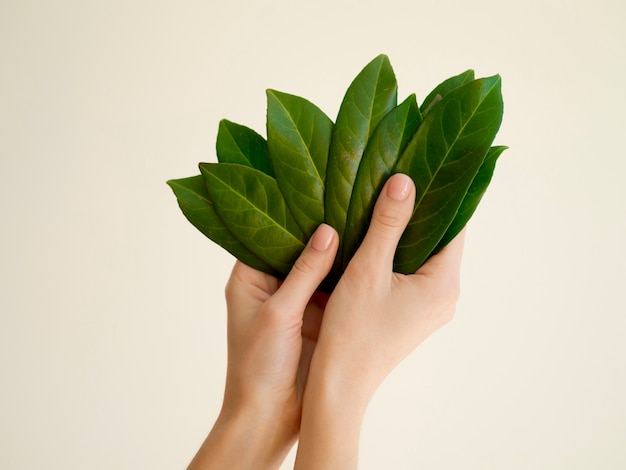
[[272, 331]]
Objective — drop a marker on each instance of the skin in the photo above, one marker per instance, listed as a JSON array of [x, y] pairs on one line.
[[303, 365]]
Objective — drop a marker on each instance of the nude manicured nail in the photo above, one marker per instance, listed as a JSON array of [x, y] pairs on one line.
[[322, 237], [399, 187]]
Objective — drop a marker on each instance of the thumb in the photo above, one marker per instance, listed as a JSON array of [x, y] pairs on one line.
[[391, 215], [309, 270]]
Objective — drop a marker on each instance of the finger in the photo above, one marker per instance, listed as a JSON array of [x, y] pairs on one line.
[[391, 215], [309, 270], [446, 263], [245, 277], [246, 290]]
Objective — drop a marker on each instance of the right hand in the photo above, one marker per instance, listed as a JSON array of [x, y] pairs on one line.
[[376, 317], [373, 320]]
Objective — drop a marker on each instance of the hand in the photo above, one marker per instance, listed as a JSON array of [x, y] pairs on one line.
[[373, 320], [272, 330], [376, 317]]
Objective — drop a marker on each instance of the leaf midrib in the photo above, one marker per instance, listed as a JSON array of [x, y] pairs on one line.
[[450, 147], [233, 139], [367, 137], [351, 203], [371, 110], [307, 149], [266, 214]]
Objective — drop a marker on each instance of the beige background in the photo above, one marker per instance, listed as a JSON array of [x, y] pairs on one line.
[[112, 325]]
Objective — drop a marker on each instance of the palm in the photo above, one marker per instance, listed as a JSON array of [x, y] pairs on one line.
[[273, 347]]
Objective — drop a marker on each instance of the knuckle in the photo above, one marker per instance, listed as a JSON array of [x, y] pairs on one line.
[[448, 314], [449, 295], [452, 290], [305, 264], [363, 275], [390, 218], [230, 291]]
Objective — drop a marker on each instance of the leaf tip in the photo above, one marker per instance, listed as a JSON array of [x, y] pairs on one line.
[[380, 61], [270, 92], [495, 78], [203, 167], [177, 182], [382, 57]]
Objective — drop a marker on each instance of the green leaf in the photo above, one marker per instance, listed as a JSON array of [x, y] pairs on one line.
[[265, 198], [252, 207], [372, 94], [381, 154], [444, 88], [443, 158], [240, 144], [298, 137], [472, 198], [195, 203]]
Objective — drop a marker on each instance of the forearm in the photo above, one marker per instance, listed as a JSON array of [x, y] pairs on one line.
[[332, 415], [242, 441]]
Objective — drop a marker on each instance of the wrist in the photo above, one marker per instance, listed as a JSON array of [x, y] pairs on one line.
[[345, 372], [333, 408], [245, 438]]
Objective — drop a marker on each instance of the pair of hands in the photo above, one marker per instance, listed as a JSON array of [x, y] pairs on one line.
[[305, 364]]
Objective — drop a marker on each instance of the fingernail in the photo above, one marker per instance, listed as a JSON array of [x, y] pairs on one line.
[[399, 187], [322, 237]]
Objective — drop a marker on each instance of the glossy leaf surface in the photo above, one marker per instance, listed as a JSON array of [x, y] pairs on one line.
[[298, 137], [240, 144], [443, 158], [264, 199], [252, 207], [472, 197], [372, 94], [380, 157], [444, 88], [195, 203]]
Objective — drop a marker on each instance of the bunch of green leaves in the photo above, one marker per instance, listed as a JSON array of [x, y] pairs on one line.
[[265, 197]]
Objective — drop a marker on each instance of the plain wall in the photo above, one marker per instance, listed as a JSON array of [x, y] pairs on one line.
[[112, 318]]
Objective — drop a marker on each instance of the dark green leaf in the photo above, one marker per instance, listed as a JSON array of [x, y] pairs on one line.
[[252, 207], [298, 136], [195, 203], [381, 154], [442, 158], [240, 144], [372, 94], [265, 198], [444, 88], [473, 196]]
